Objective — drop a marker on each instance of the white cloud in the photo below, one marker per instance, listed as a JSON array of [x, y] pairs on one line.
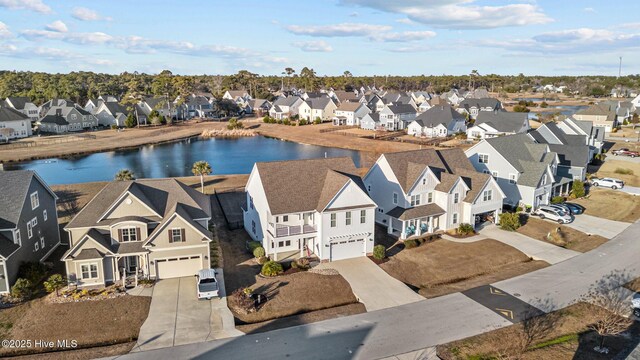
[[70, 37], [459, 14], [4, 31], [589, 9], [313, 46], [338, 30], [33, 5], [405, 21], [403, 36], [84, 14], [57, 26]]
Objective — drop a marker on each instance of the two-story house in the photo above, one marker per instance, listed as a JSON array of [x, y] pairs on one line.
[[594, 134], [28, 223], [313, 108], [13, 124], [524, 169], [328, 214], [473, 106], [62, 119], [151, 228], [350, 113], [424, 191], [162, 105], [111, 113], [438, 121], [398, 116], [490, 124], [24, 105], [601, 115], [285, 107]]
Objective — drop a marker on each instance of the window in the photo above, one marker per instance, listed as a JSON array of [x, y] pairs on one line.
[[424, 181], [89, 271], [487, 195], [251, 201], [176, 236], [544, 180], [369, 188], [34, 222], [494, 174], [35, 201], [485, 171], [42, 241], [284, 243], [512, 178], [347, 219], [128, 234], [363, 216], [381, 210], [44, 214], [16, 237], [36, 246], [285, 218], [253, 226], [455, 218], [483, 158], [415, 200], [333, 220], [456, 198], [29, 230], [430, 198], [395, 198]]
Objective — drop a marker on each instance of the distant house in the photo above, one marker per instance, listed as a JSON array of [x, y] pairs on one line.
[[397, 117], [236, 95], [111, 113], [149, 229], [420, 97], [317, 108], [374, 102], [44, 108], [601, 115], [195, 106], [490, 124], [452, 97], [474, 106], [476, 94], [92, 105], [285, 107], [331, 219], [594, 134], [260, 107], [424, 191], [63, 119], [438, 121], [160, 104], [524, 169], [343, 96], [350, 113], [28, 223], [13, 124], [23, 105], [371, 121]]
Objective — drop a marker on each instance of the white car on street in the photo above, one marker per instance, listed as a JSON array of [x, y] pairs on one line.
[[553, 213], [608, 182]]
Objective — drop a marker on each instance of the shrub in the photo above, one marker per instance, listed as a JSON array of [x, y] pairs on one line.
[[577, 189], [379, 252], [286, 122], [258, 252], [262, 260], [544, 104], [22, 289], [303, 122], [519, 209], [302, 263], [271, 268], [510, 221], [266, 119], [466, 229], [234, 124], [247, 291], [114, 127], [623, 171], [33, 271], [252, 245], [55, 283], [557, 200], [521, 108], [317, 121], [410, 244]]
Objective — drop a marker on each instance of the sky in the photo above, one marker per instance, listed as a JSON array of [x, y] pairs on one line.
[[365, 37]]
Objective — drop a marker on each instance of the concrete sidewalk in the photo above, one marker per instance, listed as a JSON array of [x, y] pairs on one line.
[[536, 249], [373, 286], [598, 226]]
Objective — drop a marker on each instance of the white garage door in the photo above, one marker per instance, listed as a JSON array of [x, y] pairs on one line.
[[347, 249], [178, 267]]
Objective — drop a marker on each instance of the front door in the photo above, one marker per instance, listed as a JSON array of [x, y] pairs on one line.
[[131, 263]]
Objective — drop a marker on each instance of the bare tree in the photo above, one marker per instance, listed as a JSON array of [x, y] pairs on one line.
[[612, 307]]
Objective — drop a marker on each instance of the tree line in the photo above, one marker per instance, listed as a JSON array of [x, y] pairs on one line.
[[131, 86]]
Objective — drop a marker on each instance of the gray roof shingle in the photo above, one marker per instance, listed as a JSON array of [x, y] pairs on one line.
[[14, 186], [502, 121]]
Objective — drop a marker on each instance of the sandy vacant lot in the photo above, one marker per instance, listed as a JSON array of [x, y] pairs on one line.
[[567, 237], [608, 169], [612, 205]]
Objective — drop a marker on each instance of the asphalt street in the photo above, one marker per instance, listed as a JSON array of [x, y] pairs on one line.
[[502, 303]]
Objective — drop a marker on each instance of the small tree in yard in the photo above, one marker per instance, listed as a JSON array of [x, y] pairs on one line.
[[234, 124], [611, 307], [379, 252], [22, 289], [271, 268], [465, 229], [124, 175], [130, 121], [55, 283], [258, 252], [510, 221], [577, 189], [201, 168], [557, 200], [317, 121]]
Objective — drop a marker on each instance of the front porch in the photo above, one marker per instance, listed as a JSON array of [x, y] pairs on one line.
[[562, 186], [289, 249], [414, 222]]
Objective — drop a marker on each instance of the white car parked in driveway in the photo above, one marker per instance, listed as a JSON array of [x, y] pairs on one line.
[[553, 213], [207, 284], [608, 182]]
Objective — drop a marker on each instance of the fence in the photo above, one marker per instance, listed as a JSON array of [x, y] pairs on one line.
[[338, 128], [232, 201], [51, 141]]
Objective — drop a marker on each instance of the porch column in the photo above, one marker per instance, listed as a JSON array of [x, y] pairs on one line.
[[390, 225], [430, 224], [418, 226], [402, 232], [114, 266]]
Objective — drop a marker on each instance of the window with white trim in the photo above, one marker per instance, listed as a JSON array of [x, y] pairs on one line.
[[17, 237], [512, 178], [424, 181], [34, 222], [395, 198], [363, 216], [285, 218], [487, 195], [29, 230], [494, 174], [89, 271], [347, 218], [36, 246], [44, 215], [176, 235], [430, 197], [456, 198], [42, 241], [35, 200], [128, 234], [333, 220], [455, 218], [415, 200], [483, 158], [251, 201]]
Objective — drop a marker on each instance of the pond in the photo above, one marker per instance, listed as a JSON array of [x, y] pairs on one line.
[[226, 156], [567, 110]]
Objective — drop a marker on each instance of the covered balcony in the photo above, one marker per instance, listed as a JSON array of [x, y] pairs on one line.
[[280, 230]]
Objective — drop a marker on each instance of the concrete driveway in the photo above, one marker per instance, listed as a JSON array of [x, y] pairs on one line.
[[373, 286], [177, 317], [598, 226]]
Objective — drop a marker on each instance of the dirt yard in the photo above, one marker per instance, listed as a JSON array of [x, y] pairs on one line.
[[443, 267], [90, 323], [612, 205], [608, 169], [567, 237], [569, 338]]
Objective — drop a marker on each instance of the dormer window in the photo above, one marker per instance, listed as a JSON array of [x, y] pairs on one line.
[[128, 234]]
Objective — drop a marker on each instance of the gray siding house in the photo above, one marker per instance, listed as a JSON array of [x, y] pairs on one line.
[[28, 223]]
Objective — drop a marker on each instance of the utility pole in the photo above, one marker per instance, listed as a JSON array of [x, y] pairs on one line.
[[620, 68]]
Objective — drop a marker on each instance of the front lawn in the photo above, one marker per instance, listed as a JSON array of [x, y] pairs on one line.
[[627, 171], [612, 205], [90, 323], [567, 237], [443, 267]]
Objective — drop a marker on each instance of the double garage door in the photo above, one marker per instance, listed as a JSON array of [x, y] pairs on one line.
[[178, 267], [347, 249]]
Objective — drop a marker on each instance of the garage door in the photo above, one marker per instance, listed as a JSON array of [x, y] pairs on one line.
[[178, 267], [347, 249]]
